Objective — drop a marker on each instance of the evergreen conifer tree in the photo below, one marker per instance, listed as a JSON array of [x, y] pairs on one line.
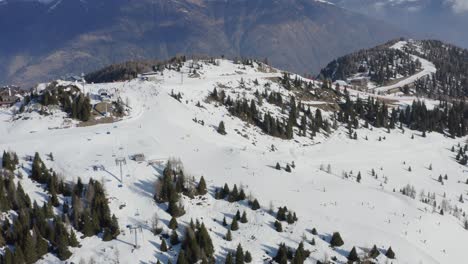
[[244, 218], [374, 252], [229, 259], [229, 235], [282, 254], [255, 205], [182, 259], [336, 240], [247, 257], [353, 256], [239, 255], [163, 246], [278, 226], [29, 249], [173, 223], [201, 188], [174, 238], [73, 240], [234, 224], [314, 231], [390, 254], [221, 129]]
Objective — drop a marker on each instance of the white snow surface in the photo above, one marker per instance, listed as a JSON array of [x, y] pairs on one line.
[[159, 126]]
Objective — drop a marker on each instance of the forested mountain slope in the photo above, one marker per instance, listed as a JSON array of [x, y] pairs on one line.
[[424, 67]]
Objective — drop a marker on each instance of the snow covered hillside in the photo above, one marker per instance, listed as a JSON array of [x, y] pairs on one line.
[[426, 68], [400, 188]]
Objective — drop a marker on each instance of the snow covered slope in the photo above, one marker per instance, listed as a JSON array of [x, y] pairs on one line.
[[322, 188], [427, 68]]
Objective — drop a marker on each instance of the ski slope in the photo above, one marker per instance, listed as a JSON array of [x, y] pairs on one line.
[[161, 127]]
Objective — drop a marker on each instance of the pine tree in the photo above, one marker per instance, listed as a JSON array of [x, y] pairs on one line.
[[239, 255], [336, 240], [182, 259], [244, 218], [73, 240], [312, 242], [18, 256], [62, 250], [358, 179], [278, 167], [234, 194], [228, 235], [8, 257], [314, 231], [241, 195], [234, 224], [224, 221], [390, 254], [278, 226], [163, 246], [374, 252], [288, 168], [29, 249], [114, 227], [247, 257], [353, 256], [174, 238], [173, 223], [281, 214], [204, 240], [221, 129], [255, 205], [282, 254], [201, 188], [229, 259], [300, 254], [42, 246], [2, 240], [238, 215]]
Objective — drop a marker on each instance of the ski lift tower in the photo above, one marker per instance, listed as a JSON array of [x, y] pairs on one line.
[[83, 82], [121, 161], [135, 229]]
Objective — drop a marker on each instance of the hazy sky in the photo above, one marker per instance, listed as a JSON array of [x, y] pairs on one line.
[[460, 5]]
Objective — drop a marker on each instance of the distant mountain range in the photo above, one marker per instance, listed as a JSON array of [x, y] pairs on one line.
[[46, 39], [438, 19]]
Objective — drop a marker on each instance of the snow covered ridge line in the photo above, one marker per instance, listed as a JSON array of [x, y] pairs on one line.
[[280, 105]]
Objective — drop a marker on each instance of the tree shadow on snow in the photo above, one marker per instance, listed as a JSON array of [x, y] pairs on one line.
[[143, 187]]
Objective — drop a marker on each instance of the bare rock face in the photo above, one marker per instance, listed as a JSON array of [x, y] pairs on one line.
[[49, 39]]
